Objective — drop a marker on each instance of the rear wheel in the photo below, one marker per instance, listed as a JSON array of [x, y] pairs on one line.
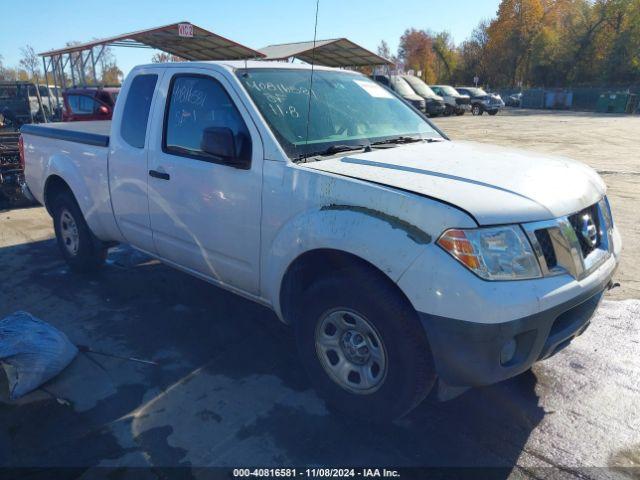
[[79, 247], [363, 346], [476, 110], [493, 112]]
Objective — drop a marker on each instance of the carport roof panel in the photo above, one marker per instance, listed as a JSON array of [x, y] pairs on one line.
[[204, 45], [336, 52]]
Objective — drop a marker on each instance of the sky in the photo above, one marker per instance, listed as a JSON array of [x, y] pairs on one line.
[[254, 23]]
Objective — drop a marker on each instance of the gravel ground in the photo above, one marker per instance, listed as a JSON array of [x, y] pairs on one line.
[[227, 389]]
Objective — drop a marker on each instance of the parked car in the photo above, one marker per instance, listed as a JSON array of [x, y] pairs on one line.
[[514, 100], [399, 258], [456, 103], [434, 103], [20, 101], [402, 88], [482, 101], [89, 103]]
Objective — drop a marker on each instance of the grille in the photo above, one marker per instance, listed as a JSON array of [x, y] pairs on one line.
[[564, 249], [547, 248], [576, 222]]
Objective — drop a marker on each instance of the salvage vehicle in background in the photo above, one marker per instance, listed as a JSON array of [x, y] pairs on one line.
[[434, 103], [400, 258], [19, 105], [89, 103], [11, 169], [26, 103], [397, 84], [455, 102], [514, 100], [482, 101]]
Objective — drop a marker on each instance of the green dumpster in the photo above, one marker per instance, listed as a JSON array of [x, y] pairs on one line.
[[613, 102]]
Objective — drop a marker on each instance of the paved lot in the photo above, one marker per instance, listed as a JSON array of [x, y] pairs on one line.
[[227, 389]]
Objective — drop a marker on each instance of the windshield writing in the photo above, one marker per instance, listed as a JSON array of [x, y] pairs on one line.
[[346, 109]]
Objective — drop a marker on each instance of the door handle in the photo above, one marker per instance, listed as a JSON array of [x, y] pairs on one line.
[[160, 175]]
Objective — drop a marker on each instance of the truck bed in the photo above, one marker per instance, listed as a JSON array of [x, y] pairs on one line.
[[90, 133]]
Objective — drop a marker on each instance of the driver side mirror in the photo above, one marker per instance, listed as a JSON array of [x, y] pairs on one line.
[[102, 110], [221, 142]]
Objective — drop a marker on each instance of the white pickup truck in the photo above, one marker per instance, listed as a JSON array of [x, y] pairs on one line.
[[400, 258]]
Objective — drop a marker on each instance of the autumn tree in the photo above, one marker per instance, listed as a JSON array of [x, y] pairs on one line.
[[416, 53], [385, 52], [473, 56], [511, 38], [446, 57], [164, 57], [30, 62], [110, 72]]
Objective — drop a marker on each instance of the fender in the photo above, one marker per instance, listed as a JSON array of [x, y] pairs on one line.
[[388, 242], [95, 204]]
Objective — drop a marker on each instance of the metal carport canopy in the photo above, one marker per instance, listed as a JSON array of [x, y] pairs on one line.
[[202, 45], [336, 52]]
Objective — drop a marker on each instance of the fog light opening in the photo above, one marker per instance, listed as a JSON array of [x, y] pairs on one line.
[[508, 351]]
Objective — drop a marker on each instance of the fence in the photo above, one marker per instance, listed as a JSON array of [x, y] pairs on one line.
[[574, 98]]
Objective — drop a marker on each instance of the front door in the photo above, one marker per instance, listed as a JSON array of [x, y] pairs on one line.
[[205, 213]]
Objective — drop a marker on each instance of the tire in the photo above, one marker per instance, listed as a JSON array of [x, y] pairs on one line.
[[492, 112], [405, 372], [447, 111], [460, 113], [476, 110], [82, 251]]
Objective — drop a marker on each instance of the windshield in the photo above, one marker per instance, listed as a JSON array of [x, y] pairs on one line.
[[419, 86], [476, 92], [447, 90], [402, 87], [346, 109]]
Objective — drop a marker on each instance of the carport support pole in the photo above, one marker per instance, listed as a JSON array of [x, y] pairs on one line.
[[93, 66], [73, 75], [46, 82], [62, 65], [56, 79], [83, 78]]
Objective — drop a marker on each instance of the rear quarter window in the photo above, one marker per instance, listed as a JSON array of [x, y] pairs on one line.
[[133, 128]]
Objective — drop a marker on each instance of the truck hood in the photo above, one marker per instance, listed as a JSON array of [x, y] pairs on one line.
[[493, 184]]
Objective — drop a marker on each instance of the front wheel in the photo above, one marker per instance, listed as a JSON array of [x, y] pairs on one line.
[[82, 251], [460, 113], [363, 346], [476, 110]]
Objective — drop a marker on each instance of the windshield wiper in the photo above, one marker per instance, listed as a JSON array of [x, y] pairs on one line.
[[405, 139], [332, 150]]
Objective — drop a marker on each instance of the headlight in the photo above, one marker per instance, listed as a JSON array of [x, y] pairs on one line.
[[605, 208], [495, 253]]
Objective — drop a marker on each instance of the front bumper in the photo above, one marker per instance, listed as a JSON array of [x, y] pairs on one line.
[[468, 354], [468, 320], [435, 108]]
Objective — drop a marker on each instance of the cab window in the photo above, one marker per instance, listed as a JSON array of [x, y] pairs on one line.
[[135, 116], [195, 103]]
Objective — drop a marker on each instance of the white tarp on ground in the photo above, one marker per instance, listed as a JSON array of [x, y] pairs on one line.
[[32, 352]]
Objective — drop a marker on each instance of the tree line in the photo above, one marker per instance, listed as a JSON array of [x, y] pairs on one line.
[[551, 43], [29, 68]]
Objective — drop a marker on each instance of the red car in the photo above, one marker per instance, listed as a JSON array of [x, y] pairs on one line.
[[89, 103]]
